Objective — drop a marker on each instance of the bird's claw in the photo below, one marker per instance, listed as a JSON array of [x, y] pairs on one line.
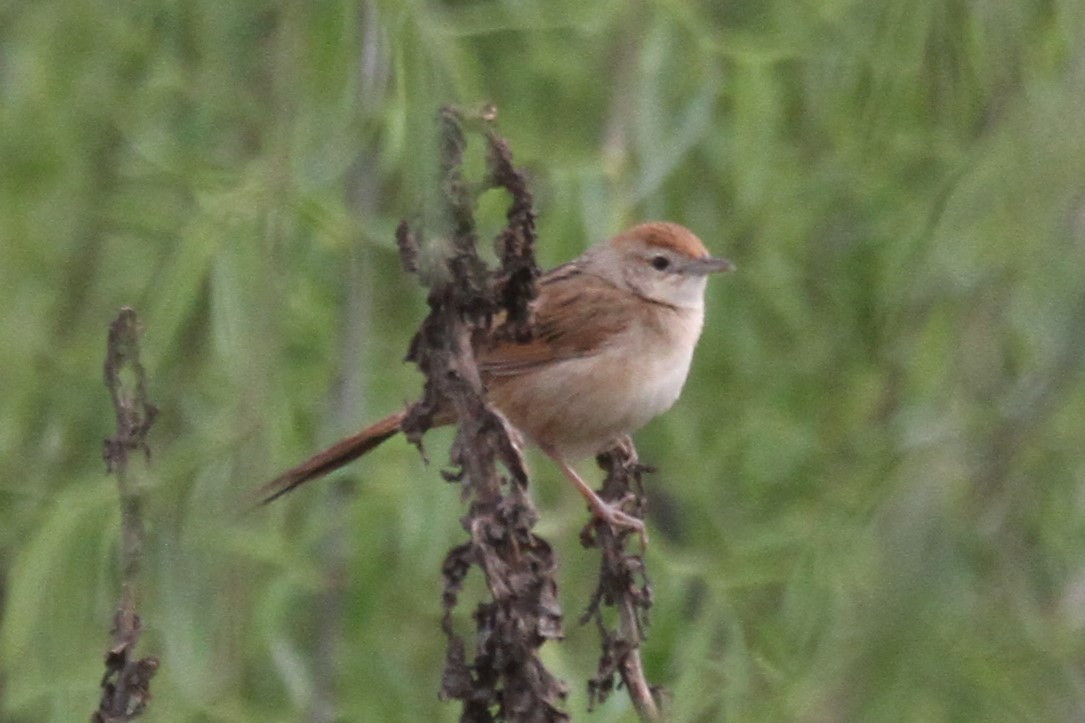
[[619, 520]]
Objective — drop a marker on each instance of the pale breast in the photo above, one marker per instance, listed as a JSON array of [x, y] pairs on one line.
[[579, 406]]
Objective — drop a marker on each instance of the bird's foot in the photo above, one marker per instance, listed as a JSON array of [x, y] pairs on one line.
[[620, 520], [623, 445]]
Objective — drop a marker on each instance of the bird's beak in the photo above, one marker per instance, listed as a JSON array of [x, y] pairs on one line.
[[709, 265]]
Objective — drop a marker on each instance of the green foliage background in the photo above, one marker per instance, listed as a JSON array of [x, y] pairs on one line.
[[870, 503]]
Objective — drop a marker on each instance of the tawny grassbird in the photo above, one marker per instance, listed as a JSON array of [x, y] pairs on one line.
[[613, 338]]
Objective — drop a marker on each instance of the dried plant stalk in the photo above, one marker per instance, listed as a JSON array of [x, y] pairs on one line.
[[126, 682]]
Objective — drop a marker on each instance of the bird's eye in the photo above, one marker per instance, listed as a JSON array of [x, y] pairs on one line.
[[659, 263]]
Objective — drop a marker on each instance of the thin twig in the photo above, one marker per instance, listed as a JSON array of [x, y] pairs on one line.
[[126, 683], [623, 584]]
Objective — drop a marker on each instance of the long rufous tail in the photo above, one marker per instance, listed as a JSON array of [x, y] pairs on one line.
[[341, 453]]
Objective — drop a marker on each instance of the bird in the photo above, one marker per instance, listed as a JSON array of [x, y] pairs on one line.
[[609, 349]]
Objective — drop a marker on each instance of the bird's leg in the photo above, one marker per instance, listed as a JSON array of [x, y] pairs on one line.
[[605, 511]]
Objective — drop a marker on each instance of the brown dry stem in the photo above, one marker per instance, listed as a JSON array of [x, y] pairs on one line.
[[623, 585], [506, 679], [126, 682]]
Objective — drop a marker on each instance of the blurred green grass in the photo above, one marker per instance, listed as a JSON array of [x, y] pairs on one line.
[[869, 499]]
